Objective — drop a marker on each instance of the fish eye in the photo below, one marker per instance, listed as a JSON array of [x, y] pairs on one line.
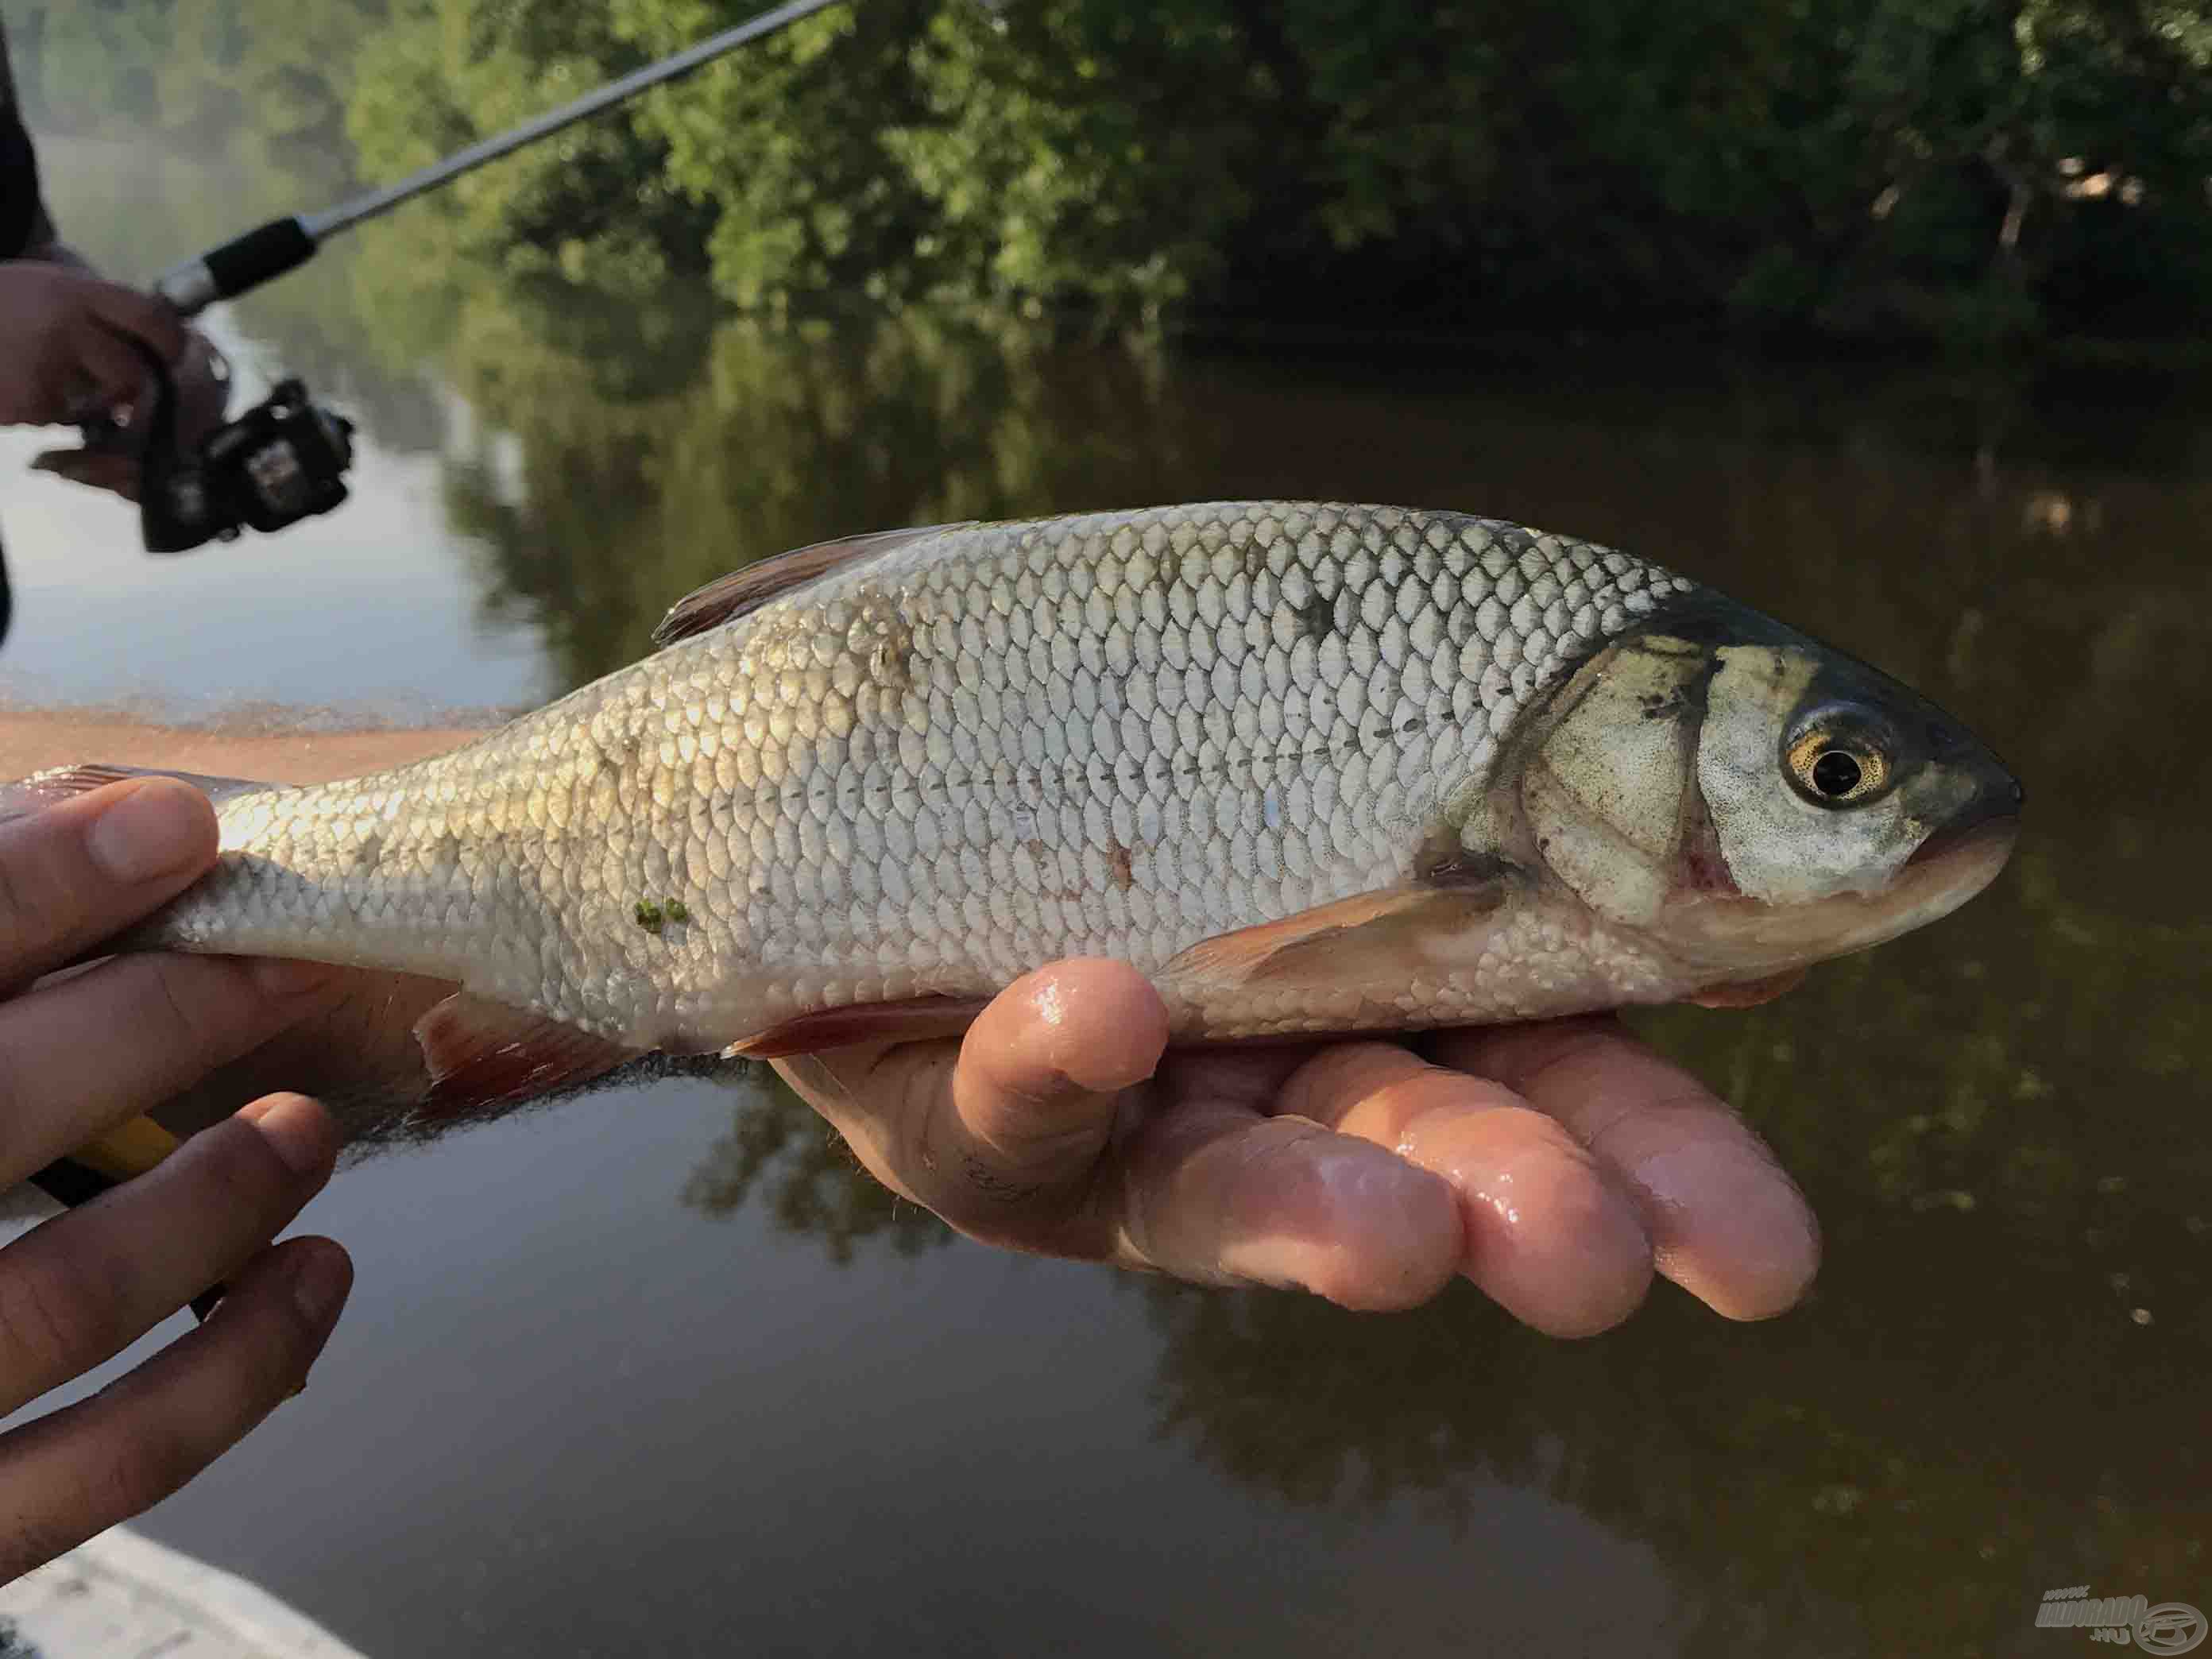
[[1837, 759]]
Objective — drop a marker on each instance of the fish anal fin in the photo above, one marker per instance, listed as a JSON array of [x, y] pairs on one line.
[[43, 789], [728, 597], [482, 1054], [1392, 930], [911, 1019]]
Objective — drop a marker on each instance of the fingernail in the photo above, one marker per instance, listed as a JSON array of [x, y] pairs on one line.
[[295, 1129], [320, 1279], [155, 830]]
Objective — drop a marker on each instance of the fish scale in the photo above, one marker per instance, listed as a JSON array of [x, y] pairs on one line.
[[936, 766]]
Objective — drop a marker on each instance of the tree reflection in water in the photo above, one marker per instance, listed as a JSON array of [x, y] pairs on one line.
[[1998, 1384]]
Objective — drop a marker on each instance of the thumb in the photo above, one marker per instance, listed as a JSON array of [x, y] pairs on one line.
[[99, 469], [1043, 1071], [1001, 1133]]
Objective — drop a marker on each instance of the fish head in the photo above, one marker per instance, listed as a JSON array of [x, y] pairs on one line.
[[1749, 800]]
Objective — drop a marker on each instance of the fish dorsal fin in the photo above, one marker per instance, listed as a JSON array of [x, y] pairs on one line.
[[728, 597]]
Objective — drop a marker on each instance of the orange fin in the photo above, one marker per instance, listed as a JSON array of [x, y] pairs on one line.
[[1750, 992], [1368, 936], [481, 1053], [43, 789], [912, 1019], [728, 597]]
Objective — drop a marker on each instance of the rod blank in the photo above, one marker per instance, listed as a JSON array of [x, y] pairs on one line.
[[246, 261]]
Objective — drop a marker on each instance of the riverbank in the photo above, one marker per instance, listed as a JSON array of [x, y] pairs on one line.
[[248, 743]]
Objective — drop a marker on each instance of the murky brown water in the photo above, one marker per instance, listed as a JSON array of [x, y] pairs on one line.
[[657, 1373]]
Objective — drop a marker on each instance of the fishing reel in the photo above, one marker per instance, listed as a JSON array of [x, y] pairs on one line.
[[283, 460]]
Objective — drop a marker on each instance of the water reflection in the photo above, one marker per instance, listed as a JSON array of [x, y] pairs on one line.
[[1999, 1385], [600, 495], [1998, 1388], [778, 1153]]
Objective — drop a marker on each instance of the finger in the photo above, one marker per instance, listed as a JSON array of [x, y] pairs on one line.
[[1726, 1223], [95, 469], [82, 1287], [74, 873], [151, 319], [83, 1469], [1040, 1132], [65, 1078], [1039, 1083], [1214, 1192], [1548, 1236], [1207, 1189], [110, 361], [977, 1128]]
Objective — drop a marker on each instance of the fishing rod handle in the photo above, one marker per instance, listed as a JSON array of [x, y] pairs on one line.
[[242, 263]]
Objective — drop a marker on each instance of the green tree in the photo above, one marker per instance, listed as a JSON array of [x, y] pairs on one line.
[[1976, 168]]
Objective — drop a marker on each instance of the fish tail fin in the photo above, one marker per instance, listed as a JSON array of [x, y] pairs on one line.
[[40, 790]]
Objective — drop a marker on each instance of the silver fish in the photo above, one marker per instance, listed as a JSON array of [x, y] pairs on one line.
[[1309, 767]]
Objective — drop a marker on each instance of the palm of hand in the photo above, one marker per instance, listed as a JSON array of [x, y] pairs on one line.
[[1557, 1165]]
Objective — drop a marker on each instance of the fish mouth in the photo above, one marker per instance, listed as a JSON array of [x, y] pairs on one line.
[[1990, 812], [1998, 821], [1966, 856], [1957, 861], [1748, 940], [1950, 867]]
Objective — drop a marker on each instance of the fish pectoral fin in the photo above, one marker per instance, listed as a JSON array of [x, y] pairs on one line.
[[911, 1019], [1390, 932], [1750, 992], [43, 789], [480, 1052], [728, 597]]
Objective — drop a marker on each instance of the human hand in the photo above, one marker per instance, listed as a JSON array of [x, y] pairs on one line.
[[1555, 1164], [112, 457], [65, 339], [66, 335], [81, 1054]]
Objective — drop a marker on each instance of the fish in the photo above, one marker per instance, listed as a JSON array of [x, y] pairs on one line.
[[1309, 767]]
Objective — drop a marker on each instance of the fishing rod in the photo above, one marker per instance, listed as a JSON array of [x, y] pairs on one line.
[[260, 255], [286, 458]]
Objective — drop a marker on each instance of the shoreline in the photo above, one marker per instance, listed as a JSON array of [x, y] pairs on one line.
[[261, 742]]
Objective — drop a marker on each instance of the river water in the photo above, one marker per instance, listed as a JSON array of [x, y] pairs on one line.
[[661, 1373]]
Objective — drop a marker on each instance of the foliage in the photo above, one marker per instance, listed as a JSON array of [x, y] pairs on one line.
[[1975, 169], [252, 76]]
